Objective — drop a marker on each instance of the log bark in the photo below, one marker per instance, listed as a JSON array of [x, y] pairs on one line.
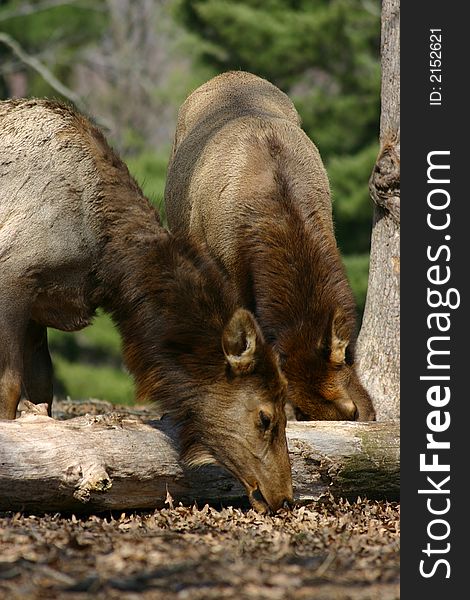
[[120, 461], [378, 347]]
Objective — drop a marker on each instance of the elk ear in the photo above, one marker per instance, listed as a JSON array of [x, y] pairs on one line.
[[339, 341], [240, 340]]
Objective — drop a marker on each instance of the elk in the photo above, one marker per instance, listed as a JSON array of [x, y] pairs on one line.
[[77, 233], [246, 180]]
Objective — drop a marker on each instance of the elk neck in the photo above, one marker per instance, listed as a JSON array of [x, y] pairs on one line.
[[170, 303], [295, 271]]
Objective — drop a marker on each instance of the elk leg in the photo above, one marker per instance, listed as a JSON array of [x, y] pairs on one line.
[[37, 379], [10, 391], [11, 366]]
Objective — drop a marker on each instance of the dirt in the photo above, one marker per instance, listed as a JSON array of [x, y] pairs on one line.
[[335, 550]]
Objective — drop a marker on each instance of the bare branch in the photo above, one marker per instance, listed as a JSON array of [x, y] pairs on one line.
[[40, 68]]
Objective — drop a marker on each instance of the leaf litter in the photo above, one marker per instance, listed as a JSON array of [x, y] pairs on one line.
[[330, 550]]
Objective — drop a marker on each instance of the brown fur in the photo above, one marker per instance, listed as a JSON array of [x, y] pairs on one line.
[[246, 180], [76, 233]]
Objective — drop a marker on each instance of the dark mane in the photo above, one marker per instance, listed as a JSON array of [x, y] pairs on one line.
[[173, 303], [295, 268]]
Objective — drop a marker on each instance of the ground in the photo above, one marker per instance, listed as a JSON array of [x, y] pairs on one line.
[[334, 550]]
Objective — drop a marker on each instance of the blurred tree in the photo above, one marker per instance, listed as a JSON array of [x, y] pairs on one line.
[[137, 73], [325, 55]]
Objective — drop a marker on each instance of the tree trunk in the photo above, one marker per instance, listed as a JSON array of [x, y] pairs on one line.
[[119, 461], [378, 347]]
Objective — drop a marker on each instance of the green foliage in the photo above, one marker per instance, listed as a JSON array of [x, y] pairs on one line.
[[73, 25], [149, 169], [352, 207], [357, 269], [280, 39], [54, 35], [337, 123], [102, 336], [93, 381], [88, 363]]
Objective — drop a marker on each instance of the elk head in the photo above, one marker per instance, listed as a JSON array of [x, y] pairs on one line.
[[241, 422]]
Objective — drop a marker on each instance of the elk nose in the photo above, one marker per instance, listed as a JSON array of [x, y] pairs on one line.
[[348, 411]]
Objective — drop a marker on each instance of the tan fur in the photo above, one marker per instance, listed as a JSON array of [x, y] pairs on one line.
[[76, 233], [247, 181]]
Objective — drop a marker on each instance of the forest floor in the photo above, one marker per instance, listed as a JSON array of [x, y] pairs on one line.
[[333, 550]]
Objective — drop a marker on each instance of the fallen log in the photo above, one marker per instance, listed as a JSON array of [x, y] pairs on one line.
[[120, 461]]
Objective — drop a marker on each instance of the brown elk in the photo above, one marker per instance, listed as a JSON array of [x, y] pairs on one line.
[[76, 233], [246, 180]]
